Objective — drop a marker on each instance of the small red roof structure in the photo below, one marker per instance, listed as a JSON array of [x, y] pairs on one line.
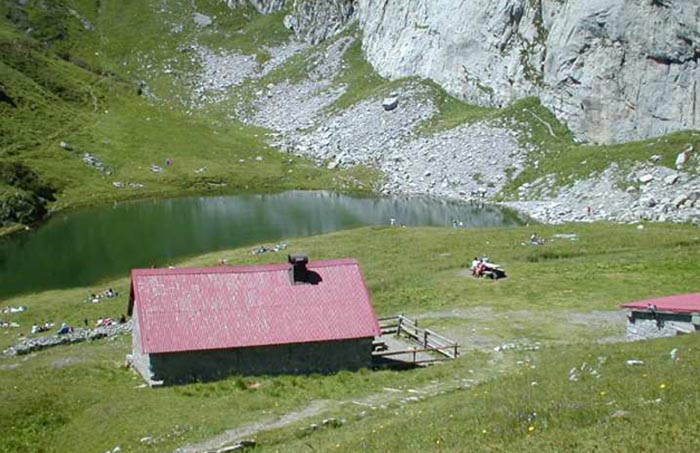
[[679, 303], [195, 309]]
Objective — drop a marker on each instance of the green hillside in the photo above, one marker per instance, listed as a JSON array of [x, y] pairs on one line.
[[96, 90]]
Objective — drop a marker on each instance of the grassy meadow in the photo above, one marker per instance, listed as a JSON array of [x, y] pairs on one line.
[[558, 303]]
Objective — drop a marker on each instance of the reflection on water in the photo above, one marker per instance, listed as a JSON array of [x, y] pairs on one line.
[[82, 247]]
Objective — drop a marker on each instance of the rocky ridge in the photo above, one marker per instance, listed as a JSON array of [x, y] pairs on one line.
[[311, 21]]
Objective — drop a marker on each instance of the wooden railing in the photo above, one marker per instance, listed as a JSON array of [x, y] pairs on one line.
[[428, 339]]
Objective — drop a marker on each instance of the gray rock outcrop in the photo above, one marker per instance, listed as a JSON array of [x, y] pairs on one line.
[[312, 21], [474, 161], [613, 71], [263, 6], [618, 71], [478, 50]]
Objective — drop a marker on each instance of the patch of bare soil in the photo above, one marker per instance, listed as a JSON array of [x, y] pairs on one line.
[[473, 328]]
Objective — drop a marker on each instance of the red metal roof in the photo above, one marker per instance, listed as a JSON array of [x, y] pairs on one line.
[[679, 303], [191, 309]]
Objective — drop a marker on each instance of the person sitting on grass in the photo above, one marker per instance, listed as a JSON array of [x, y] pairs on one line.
[[475, 264], [480, 268]]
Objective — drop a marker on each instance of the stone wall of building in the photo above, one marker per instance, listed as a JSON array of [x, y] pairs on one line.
[[322, 357], [139, 361]]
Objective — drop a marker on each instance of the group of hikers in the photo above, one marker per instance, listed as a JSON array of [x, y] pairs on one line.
[[106, 294], [536, 240], [271, 248], [65, 328], [479, 266], [45, 327], [107, 321], [48, 325]]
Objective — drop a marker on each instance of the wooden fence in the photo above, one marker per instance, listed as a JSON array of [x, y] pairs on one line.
[[428, 340]]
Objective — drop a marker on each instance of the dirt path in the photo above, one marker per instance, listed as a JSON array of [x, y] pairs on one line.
[[237, 434], [375, 401], [499, 365]]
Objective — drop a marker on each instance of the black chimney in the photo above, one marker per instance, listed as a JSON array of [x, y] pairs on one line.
[[298, 272]]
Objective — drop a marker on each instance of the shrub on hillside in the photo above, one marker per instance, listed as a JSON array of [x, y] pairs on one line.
[[25, 200]]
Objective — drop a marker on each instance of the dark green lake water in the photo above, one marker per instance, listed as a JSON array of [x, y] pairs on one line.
[[83, 247]]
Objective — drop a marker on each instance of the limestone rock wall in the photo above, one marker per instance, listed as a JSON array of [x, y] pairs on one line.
[[311, 20], [483, 51], [613, 71], [316, 20], [263, 6], [617, 71]]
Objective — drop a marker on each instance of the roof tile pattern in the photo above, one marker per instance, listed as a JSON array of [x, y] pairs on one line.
[[193, 309], [679, 303]]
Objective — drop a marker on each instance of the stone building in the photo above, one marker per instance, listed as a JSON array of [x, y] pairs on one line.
[[198, 324], [663, 316]]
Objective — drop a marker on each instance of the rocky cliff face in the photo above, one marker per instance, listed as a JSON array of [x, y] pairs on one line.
[[613, 71], [314, 21], [617, 71], [263, 6], [484, 51], [311, 20]]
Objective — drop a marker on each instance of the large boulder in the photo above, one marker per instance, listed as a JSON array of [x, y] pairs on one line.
[[390, 103]]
